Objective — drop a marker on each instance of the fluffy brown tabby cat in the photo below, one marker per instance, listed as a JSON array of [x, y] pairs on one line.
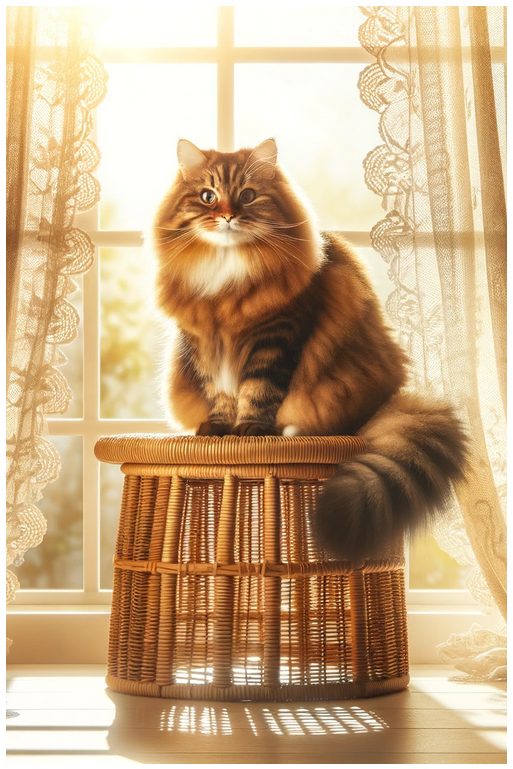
[[281, 333]]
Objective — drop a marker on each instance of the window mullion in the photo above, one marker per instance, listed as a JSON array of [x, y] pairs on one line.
[[108, 238], [225, 78], [91, 401], [91, 325]]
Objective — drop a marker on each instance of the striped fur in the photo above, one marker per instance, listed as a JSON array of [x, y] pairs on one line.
[[281, 332]]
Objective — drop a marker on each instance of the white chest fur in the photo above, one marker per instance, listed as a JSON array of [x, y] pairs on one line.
[[225, 380], [216, 271]]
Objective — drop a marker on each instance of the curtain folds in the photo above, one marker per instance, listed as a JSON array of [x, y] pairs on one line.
[[53, 84], [492, 184], [439, 171], [19, 79]]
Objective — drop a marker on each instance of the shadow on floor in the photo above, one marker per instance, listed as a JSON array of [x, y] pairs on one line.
[[377, 730]]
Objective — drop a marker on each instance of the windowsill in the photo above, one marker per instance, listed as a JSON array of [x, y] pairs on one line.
[[59, 609], [45, 600], [105, 609], [79, 634]]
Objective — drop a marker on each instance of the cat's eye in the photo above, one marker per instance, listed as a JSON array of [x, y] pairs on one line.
[[208, 197], [247, 196]]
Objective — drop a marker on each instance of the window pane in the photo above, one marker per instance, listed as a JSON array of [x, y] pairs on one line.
[[313, 25], [73, 369], [431, 568], [157, 26], [56, 564], [148, 107], [111, 489], [133, 336], [323, 132]]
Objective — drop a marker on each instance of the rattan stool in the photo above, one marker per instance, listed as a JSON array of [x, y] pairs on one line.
[[219, 589]]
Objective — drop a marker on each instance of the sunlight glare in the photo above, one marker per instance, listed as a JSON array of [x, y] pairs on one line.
[[308, 25], [317, 720], [147, 109], [196, 719], [158, 26]]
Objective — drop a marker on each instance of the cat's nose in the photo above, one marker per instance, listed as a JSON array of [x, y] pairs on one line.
[[228, 217]]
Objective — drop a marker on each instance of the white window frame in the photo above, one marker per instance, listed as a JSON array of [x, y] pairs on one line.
[[453, 610]]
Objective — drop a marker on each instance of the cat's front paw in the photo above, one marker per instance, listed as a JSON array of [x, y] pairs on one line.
[[254, 428], [214, 428]]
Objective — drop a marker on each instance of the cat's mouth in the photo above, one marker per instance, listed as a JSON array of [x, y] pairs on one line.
[[227, 234]]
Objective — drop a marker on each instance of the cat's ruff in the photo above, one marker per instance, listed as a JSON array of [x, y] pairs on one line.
[[226, 380], [214, 272]]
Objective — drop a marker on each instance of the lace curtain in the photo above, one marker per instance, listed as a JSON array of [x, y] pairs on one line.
[[438, 84], [53, 84]]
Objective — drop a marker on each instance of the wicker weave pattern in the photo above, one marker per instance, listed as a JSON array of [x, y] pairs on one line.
[[196, 450], [219, 589]]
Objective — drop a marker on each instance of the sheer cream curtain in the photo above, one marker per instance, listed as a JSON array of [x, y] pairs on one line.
[[438, 84], [53, 84]]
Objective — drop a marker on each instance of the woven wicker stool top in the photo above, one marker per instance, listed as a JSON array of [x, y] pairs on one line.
[[228, 450]]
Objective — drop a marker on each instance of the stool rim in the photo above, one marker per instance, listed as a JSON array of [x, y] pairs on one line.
[[164, 448]]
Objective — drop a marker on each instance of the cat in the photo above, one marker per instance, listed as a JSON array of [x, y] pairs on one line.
[[281, 333]]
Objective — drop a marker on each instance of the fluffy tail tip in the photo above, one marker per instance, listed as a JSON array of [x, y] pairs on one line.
[[393, 489]]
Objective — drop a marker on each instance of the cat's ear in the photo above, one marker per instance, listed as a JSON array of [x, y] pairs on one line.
[[190, 158], [263, 159]]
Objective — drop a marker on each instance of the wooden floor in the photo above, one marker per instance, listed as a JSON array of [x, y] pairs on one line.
[[64, 716]]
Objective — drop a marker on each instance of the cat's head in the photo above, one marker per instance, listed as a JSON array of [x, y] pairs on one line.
[[228, 196], [238, 207]]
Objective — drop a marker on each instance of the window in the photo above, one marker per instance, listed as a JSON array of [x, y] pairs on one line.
[[222, 77]]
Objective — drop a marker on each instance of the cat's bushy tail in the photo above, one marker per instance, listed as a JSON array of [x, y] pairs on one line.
[[417, 448]]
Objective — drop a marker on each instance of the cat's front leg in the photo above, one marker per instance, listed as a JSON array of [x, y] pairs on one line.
[[256, 414], [264, 384], [222, 412]]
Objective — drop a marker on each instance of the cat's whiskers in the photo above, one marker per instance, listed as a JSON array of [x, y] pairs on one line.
[[288, 247], [274, 242], [279, 252], [184, 355], [284, 235], [261, 266], [172, 249], [173, 239], [275, 225], [171, 255], [174, 229]]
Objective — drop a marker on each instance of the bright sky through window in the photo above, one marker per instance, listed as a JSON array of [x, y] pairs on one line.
[[165, 26]]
